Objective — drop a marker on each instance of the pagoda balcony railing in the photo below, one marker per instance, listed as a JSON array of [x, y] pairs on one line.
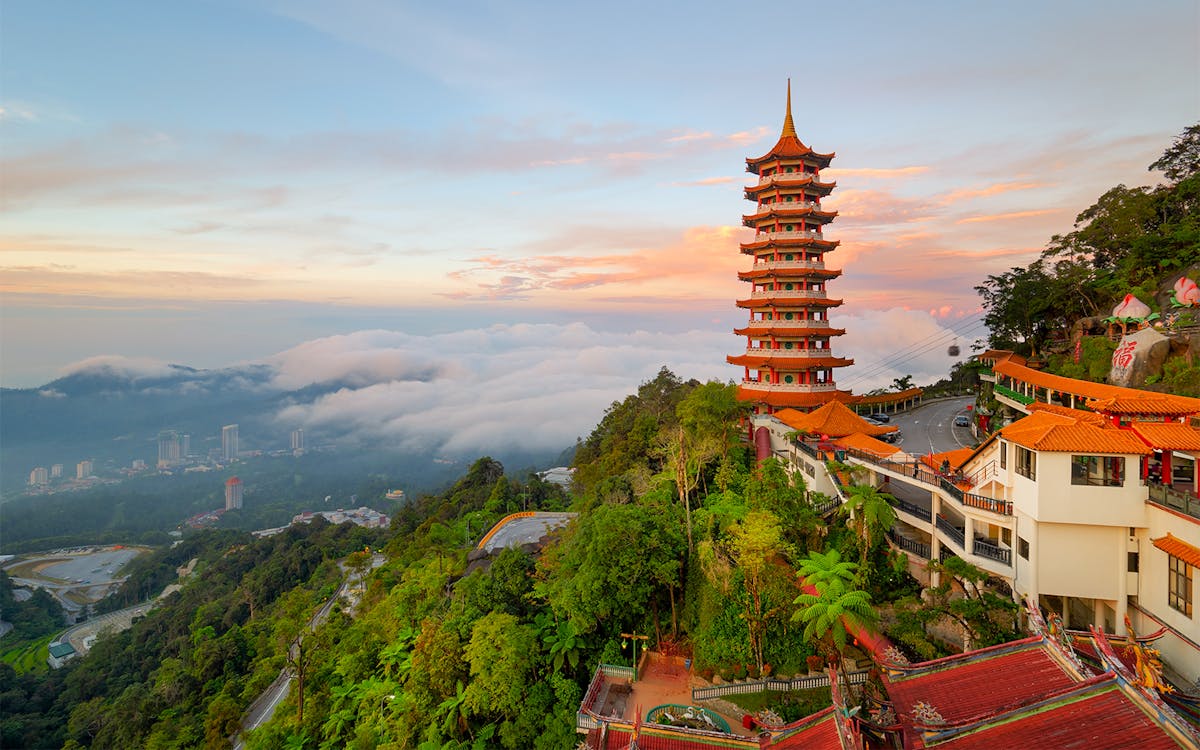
[[791, 323], [791, 387], [798, 293], [790, 352], [814, 265], [785, 205], [808, 235], [764, 179]]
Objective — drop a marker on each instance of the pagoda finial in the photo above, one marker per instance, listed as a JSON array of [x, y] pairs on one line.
[[789, 127]]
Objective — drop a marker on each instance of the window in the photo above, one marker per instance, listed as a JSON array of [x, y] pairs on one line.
[[1026, 463], [1179, 585], [1098, 471], [1003, 454], [1132, 563], [787, 378], [1023, 548]]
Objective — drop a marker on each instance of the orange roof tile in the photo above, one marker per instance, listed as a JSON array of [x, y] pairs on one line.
[[956, 457], [1044, 431], [1169, 436], [1001, 355], [1098, 391], [1178, 548], [760, 273], [859, 441], [891, 398], [788, 331], [1090, 417], [834, 419], [782, 299], [787, 359], [1158, 404]]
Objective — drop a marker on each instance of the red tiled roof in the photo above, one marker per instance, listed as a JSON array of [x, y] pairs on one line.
[[833, 419], [785, 207], [820, 734], [823, 245], [1170, 436], [782, 300], [789, 331], [787, 359], [660, 739], [793, 398], [1000, 355], [956, 457], [1100, 718], [1178, 548], [758, 273], [972, 684], [1044, 431]]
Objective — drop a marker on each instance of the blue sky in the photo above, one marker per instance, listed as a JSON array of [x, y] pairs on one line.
[[211, 182]]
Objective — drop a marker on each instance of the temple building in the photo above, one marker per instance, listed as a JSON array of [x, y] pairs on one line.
[[788, 361]]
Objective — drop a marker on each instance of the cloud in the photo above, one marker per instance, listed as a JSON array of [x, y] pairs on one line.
[[118, 366], [877, 173], [1008, 216]]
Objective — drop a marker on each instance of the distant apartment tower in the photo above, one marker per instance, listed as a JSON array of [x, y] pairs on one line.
[[138, 465], [56, 471], [39, 476], [83, 469], [298, 441], [229, 442], [185, 445], [233, 494], [169, 453]]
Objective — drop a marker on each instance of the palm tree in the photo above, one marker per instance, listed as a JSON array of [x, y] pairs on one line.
[[822, 568], [832, 614], [871, 513]]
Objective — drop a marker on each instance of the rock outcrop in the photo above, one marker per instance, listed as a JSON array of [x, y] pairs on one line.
[[1138, 356]]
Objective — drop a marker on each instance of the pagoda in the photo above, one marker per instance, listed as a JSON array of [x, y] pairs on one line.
[[788, 360]]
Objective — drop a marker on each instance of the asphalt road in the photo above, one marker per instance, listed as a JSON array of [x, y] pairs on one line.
[[930, 427], [527, 530]]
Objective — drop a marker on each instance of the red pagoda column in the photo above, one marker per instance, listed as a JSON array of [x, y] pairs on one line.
[[788, 360]]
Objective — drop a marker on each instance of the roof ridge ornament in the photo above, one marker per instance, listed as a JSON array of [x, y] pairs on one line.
[[789, 127]]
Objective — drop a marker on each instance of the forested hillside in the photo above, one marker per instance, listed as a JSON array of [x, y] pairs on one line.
[[680, 537]]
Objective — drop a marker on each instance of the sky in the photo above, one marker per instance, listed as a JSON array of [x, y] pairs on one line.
[[214, 183]]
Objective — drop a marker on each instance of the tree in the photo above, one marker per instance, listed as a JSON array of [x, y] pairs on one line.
[[1182, 159], [754, 543], [903, 383], [871, 513], [822, 569], [832, 614], [502, 654]]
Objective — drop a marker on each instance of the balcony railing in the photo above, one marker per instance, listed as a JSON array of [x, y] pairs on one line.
[[984, 548], [807, 448], [768, 236], [956, 534], [914, 510], [793, 387], [790, 352], [799, 293], [1185, 502], [812, 265], [995, 505], [791, 323], [785, 205], [951, 488], [1020, 398], [920, 549]]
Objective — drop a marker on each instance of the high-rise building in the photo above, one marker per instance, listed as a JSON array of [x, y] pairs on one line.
[[56, 471], [168, 449], [229, 442], [83, 469], [298, 441], [138, 465], [788, 361], [39, 476], [185, 445], [233, 494]]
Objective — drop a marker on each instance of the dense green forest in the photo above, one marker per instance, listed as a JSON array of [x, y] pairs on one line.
[[1135, 241], [680, 537]]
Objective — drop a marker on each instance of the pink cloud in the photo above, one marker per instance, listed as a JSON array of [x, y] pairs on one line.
[[1008, 216]]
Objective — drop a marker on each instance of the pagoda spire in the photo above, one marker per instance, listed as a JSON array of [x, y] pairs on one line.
[[789, 127]]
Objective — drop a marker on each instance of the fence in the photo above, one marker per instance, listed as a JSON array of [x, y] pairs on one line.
[[758, 686]]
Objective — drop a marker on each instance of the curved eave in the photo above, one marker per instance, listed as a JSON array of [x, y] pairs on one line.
[[785, 332], [791, 398], [826, 245], [780, 361], [762, 273], [788, 181], [788, 147], [788, 302], [783, 209]]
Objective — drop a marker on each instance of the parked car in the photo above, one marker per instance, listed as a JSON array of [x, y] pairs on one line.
[[881, 417], [890, 437], [962, 421]]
